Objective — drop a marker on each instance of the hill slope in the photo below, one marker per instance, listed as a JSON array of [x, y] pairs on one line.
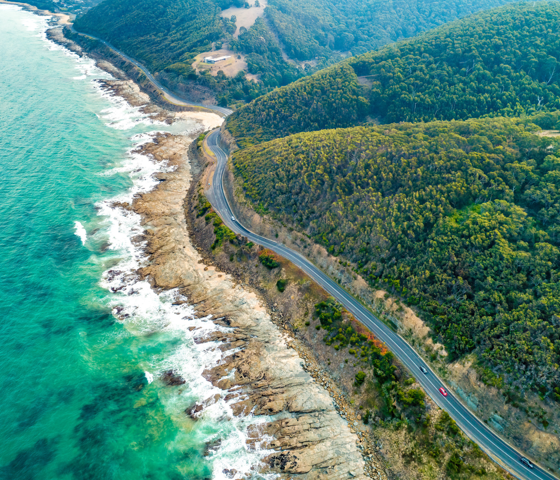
[[156, 33], [317, 28], [166, 35], [500, 62], [460, 218]]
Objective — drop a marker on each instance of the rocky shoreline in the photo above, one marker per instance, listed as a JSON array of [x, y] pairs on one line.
[[314, 431], [307, 434], [262, 373]]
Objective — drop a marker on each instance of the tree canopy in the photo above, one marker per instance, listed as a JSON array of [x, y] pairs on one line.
[[320, 28], [157, 33], [460, 218], [294, 39], [499, 62]]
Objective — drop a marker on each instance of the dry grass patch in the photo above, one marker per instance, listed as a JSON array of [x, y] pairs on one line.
[[245, 17], [231, 67]]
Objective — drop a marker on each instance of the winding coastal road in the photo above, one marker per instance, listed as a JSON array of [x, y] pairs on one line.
[[498, 449], [170, 96]]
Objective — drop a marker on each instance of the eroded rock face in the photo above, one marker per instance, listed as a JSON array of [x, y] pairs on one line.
[[260, 373]]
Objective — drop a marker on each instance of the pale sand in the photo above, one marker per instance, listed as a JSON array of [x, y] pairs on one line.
[[63, 18], [209, 120]]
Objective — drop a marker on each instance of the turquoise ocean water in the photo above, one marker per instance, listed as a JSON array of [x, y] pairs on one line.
[[80, 393]]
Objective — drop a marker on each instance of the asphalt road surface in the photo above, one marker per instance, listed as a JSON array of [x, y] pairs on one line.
[[500, 451], [480, 433], [173, 97]]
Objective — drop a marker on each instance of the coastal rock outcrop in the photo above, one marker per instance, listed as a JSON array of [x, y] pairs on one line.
[[259, 372]]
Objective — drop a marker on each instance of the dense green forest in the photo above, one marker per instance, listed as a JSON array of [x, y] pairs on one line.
[[44, 5], [166, 35], [317, 28], [275, 115], [501, 62], [325, 31], [158, 34], [460, 218]]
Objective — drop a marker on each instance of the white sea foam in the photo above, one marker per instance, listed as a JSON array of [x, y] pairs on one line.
[[35, 23], [8, 6], [80, 232], [121, 115], [147, 313], [144, 312]]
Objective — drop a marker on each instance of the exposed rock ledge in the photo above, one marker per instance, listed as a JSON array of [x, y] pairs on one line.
[[311, 440], [262, 373]]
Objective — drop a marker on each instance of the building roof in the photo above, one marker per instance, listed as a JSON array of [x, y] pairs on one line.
[[218, 59]]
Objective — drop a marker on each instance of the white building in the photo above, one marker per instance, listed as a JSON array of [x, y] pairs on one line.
[[216, 60]]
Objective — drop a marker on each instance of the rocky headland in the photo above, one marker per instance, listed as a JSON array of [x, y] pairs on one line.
[[262, 373]]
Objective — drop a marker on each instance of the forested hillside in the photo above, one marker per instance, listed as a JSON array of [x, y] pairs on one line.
[[332, 90], [44, 5], [158, 33], [317, 28], [166, 35], [500, 62], [460, 218]]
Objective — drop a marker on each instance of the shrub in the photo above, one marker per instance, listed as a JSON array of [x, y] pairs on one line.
[[446, 424], [203, 206], [200, 139], [454, 465], [281, 285], [360, 378], [211, 216], [412, 398], [329, 312], [221, 231], [268, 260]]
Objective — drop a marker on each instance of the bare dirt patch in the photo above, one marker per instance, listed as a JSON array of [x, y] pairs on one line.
[[408, 322], [245, 17], [520, 426], [549, 133], [231, 67]]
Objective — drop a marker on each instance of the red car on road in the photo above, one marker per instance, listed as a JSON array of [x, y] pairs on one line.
[[443, 391]]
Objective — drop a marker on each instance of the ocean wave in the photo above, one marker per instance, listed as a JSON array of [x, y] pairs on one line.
[[121, 115], [84, 64], [36, 23], [80, 231], [168, 316], [7, 6], [164, 317]]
